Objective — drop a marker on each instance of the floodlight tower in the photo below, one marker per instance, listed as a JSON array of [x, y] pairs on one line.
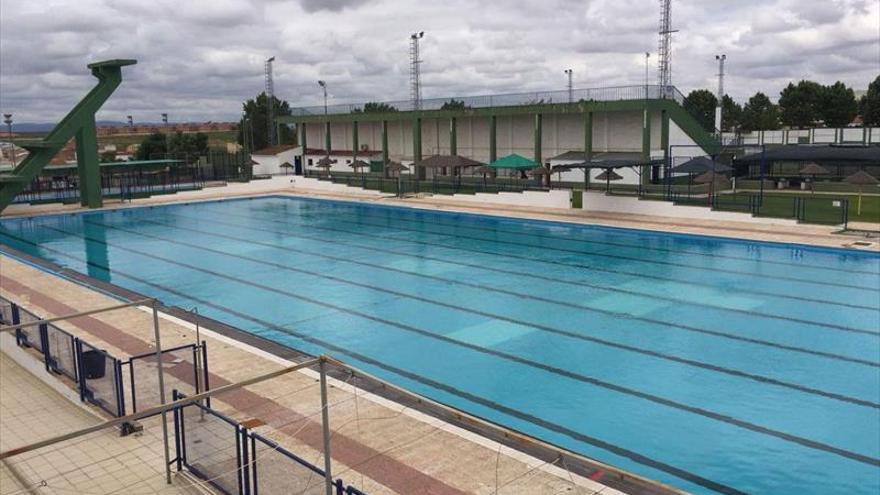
[[720, 58], [130, 121], [270, 103], [415, 73], [570, 73], [664, 47]]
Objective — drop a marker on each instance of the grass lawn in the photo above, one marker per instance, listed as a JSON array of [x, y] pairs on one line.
[[817, 207]]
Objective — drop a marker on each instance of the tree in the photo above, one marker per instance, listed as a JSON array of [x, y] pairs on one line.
[[108, 156], [800, 105], [454, 104], [256, 119], [731, 114], [760, 114], [153, 146], [701, 104], [375, 107], [838, 105], [871, 105]]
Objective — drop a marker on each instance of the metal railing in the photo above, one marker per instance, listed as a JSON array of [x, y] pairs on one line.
[[236, 461], [614, 93], [190, 362]]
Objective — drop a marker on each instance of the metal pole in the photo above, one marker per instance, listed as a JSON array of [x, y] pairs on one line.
[[325, 424], [162, 393], [155, 410], [7, 118], [9, 328]]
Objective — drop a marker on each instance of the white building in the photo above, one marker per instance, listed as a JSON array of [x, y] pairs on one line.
[[268, 161]]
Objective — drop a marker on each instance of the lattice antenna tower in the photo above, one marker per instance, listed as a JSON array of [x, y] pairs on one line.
[[664, 47], [415, 73], [270, 100]]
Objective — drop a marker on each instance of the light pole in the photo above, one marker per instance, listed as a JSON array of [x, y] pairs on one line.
[[720, 58], [130, 122], [570, 73], [7, 119], [323, 85], [415, 70], [647, 58], [167, 146]]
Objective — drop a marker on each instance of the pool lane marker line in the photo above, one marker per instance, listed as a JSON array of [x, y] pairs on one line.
[[533, 260], [494, 289], [621, 257], [545, 328], [592, 482], [473, 226], [519, 360], [634, 456]]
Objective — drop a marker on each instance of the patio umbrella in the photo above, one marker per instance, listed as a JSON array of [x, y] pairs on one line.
[[608, 175], [813, 169], [325, 163], [395, 167], [861, 179], [286, 165], [484, 170]]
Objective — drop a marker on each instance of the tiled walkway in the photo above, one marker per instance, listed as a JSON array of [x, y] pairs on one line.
[[98, 463], [378, 446]]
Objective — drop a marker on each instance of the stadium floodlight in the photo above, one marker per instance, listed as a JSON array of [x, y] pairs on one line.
[[323, 85], [570, 73]]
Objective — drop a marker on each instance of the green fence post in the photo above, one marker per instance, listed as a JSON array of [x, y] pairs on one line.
[[88, 165]]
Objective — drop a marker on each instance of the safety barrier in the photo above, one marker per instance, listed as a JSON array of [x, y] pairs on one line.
[[237, 461], [97, 374], [823, 210], [183, 363]]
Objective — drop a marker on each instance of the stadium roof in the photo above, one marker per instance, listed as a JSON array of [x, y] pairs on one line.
[[824, 153]]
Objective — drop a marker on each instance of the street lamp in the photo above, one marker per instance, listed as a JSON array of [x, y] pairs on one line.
[[7, 119], [167, 146], [647, 57], [569, 73]]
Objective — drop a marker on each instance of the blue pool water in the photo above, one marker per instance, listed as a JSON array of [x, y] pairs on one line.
[[711, 364]]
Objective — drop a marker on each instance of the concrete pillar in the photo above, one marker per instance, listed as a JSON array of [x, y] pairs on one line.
[[384, 142], [87, 164], [327, 137], [355, 141], [664, 136], [493, 139], [417, 139], [588, 144], [539, 123], [646, 146], [453, 145], [302, 137]]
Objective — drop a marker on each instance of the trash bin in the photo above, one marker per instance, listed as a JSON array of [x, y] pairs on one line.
[[94, 364]]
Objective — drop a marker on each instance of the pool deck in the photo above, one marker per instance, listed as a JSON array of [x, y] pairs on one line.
[[398, 450], [816, 235]]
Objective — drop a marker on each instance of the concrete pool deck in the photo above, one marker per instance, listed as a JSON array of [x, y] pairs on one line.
[[816, 235], [379, 446]]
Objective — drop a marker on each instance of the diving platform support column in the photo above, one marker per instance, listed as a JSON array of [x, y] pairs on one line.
[[493, 138], [87, 161], [646, 147], [588, 145]]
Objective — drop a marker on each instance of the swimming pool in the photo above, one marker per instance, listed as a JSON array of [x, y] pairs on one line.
[[712, 364]]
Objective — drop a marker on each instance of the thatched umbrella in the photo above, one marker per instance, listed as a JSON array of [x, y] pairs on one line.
[[286, 166], [861, 179], [395, 167], [541, 172], [325, 163], [813, 169], [360, 165], [608, 175]]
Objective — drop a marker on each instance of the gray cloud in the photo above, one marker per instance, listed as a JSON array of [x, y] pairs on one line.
[[200, 60]]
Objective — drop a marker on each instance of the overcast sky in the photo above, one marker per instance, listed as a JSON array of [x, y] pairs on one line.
[[199, 59]]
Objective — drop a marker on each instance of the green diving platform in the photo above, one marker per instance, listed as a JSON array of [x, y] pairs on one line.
[[79, 123]]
